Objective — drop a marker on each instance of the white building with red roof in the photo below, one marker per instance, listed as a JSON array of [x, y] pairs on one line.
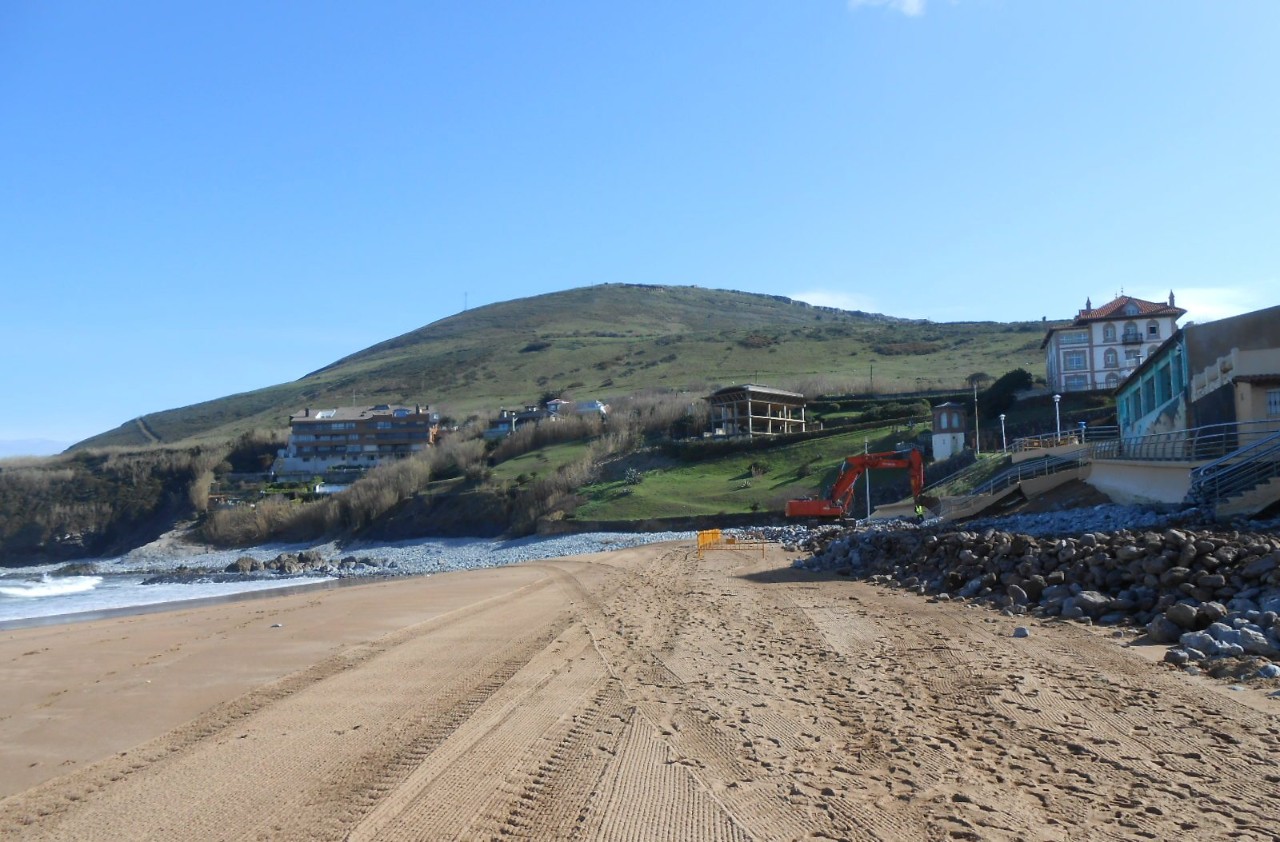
[[1103, 345]]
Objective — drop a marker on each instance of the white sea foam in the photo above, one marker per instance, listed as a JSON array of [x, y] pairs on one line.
[[123, 592], [47, 586]]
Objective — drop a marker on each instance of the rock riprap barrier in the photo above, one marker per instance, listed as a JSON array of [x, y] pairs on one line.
[[1212, 595]]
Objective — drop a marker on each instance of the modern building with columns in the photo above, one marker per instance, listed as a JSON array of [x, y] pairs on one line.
[[751, 410]]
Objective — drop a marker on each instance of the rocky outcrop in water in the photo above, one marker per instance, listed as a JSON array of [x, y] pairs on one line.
[[306, 561]]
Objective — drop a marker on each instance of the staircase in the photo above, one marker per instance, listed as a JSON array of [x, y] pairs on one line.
[[1243, 482]]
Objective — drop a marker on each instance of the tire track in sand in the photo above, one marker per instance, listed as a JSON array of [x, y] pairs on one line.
[[323, 775]]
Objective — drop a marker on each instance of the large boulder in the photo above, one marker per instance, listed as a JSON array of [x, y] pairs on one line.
[[1163, 630], [1183, 615], [1092, 603], [244, 564]]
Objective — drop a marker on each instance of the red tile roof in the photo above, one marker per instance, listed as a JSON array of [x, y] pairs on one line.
[[1113, 310]]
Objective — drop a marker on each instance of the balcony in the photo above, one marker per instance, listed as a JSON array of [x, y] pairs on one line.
[[1131, 337]]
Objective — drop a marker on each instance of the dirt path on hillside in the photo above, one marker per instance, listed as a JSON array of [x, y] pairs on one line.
[[648, 694]]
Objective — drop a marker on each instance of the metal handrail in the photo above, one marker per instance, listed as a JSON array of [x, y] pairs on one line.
[[1212, 441], [1031, 469], [963, 475], [1261, 446], [1074, 436], [1236, 472]]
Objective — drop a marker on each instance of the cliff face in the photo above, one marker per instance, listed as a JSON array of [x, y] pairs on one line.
[[94, 505]]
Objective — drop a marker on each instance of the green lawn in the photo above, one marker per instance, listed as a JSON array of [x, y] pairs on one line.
[[729, 484]]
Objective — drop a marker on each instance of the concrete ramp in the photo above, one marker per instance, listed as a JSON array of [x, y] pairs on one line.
[[959, 508]]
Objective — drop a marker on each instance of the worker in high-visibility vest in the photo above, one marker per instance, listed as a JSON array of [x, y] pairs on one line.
[[919, 512]]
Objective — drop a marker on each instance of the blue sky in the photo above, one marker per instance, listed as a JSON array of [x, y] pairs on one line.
[[203, 199]]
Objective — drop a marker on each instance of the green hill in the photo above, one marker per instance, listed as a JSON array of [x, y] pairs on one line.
[[612, 340]]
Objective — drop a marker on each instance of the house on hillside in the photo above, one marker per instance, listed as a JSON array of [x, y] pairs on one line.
[[564, 408], [1103, 345], [1222, 372], [510, 420], [353, 437], [752, 410]]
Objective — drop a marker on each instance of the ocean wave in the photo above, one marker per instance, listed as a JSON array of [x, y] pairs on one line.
[[48, 586]]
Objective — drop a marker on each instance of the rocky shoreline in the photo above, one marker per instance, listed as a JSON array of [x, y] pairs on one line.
[[1210, 593], [162, 564]]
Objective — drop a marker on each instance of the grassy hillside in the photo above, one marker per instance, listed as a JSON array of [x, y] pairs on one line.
[[613, 340]]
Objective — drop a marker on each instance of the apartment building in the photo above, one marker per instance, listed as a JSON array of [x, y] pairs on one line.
[[354, 437]]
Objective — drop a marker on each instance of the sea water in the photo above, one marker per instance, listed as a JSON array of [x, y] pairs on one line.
[[39, 595], [24, 596]]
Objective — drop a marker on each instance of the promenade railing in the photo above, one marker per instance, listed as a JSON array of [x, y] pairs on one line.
[[1210, 442], [1076, 435]]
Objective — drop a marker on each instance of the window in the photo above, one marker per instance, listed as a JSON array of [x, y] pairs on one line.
[[1113, 380], [1153, 330], [1164, 390], [1131, 333], [1075, 337], [1273, 402], [1131, 309], [1109, 333], [1077, 383], [1111, 359], [1075, 361]]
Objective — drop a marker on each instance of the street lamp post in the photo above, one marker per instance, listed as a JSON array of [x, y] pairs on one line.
[[865, 449], [1004, 443], [977, 442], [1057, 417]]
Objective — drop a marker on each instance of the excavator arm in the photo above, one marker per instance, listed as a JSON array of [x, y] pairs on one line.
[[837, 501]]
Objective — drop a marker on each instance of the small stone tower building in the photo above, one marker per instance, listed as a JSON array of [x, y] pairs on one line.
[[950, 426]]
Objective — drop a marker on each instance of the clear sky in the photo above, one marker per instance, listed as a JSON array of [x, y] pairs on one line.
[[201, 199]]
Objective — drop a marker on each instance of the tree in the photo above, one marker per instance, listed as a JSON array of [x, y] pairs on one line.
[[977, 379], [999, 396]]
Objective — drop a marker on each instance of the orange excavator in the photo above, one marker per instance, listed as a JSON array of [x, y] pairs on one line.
[[837, 502]]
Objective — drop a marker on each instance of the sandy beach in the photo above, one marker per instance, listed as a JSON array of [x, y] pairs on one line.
[[639, 694]]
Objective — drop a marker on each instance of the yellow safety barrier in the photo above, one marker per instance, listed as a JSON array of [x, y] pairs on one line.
[[714, 539]]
